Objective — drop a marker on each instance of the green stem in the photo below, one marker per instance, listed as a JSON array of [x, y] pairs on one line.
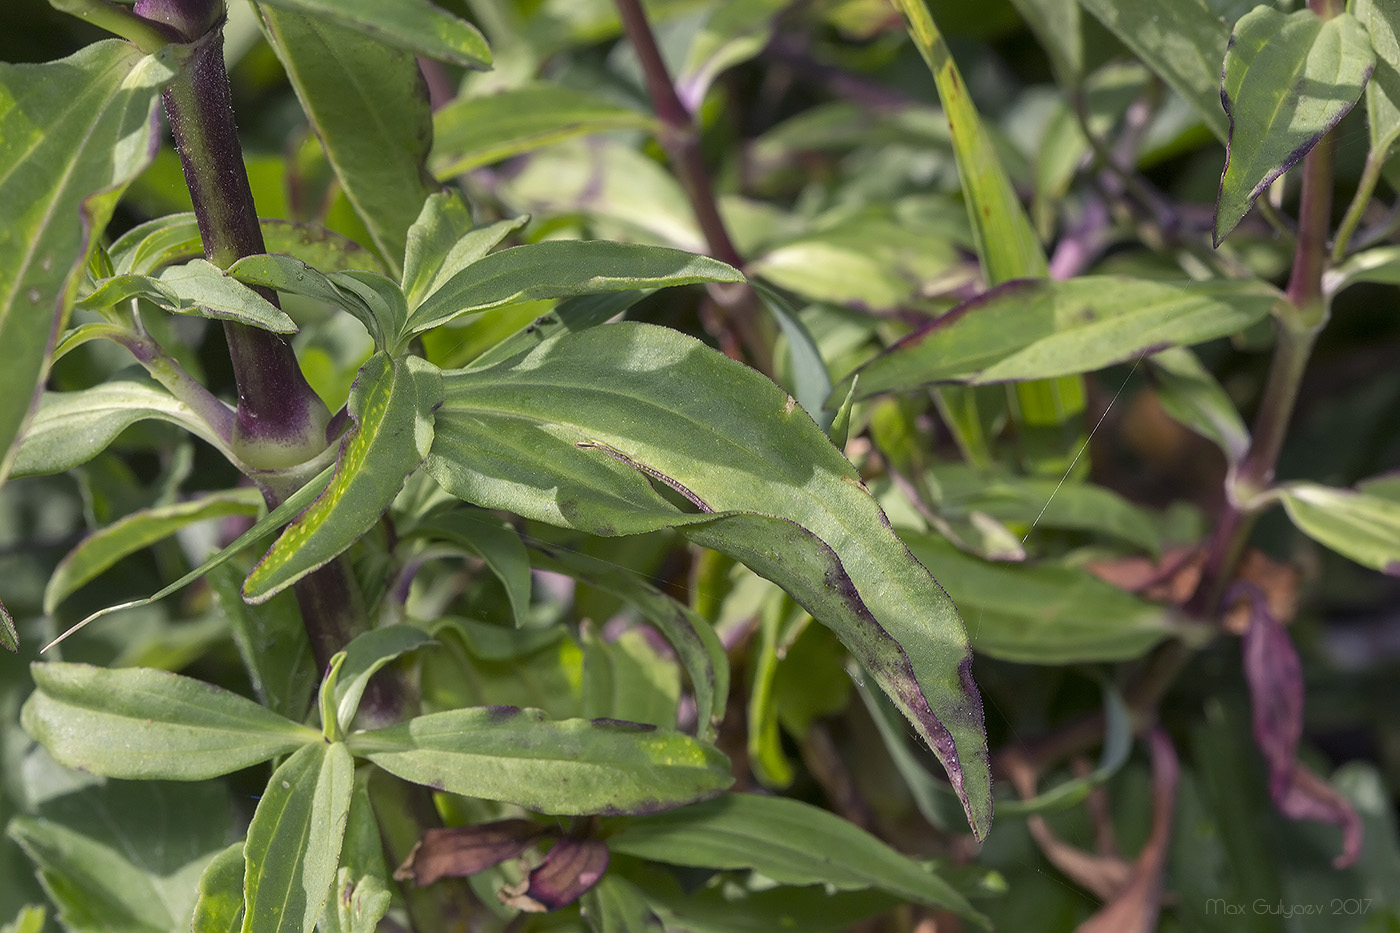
[[1370, 176]]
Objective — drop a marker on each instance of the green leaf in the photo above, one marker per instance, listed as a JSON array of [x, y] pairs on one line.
[[294, 840], [1191, 395], [1380, 265], [480, 663], [220, 905], [694, 640], [135, 532], [563, 269], [491, 538], [1041, 613], [1005, 241], [73, 135], [70, 428], [140, 723], [1381, 20], [364, 657], [877, 259], [123, 855], [730, 34], [30, 919], [788, 841], [147, 248], [199, 288], [369, 107], [574, 432], [1182, 41], [292, 275], [272, 642], [570, 315], [1363, 527], [614, 905], [1289, 78], [1055, 24], [470, 132], [392, 404], [571, 766], [416, 26], [360, 896], [628, 679], [443, 242], [1036, 329], [261, 529]]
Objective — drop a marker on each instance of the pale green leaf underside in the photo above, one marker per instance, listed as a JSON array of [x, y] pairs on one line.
[[787, 841], [73, 134], [392, 403], [571, 432], [1191, 395], [1289, 78], [563, 269], [572, 766], [365, 655], [1381, 18], [417, 26], [471, 132], [1037, 329], [70, 428], [1361, 526], [136, 531], [142, 724], [199, 288]]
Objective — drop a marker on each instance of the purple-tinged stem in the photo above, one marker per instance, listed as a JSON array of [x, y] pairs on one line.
[[169, 373]]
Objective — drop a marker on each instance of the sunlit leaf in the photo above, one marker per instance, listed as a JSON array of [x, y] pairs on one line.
[[1289, 78], [1365, 528]]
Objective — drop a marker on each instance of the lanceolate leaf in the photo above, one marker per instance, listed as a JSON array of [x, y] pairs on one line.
[[1182, 41], [491, 538], [417, 26], [364, 657], [1191, 395], [294, 841], [1289, 78], [563, 269], [571, 766], [147, 248], [1035, 329], [574, 432], [392, 404], [104, 547], [71, 428], [471, 132], [1363, 527], [443, 242], [200, 288], [788, 841], [369, 107], [139, 723], [73, 134], [1382, 21], [220, 905]]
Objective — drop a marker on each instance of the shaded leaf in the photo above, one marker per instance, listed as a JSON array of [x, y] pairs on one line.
[[563, 269], [139, 530], [272, 642], [9, 636], [1381, 20], [1363, 527], [294, 840], [574, 432], [1191, 395], [219, 908], [70, 428], [1041, 613], [788, 841], [693, 639], [140, 723], [412, 25], [470, 132], [369, 107], [1055, 24], [491, 538], [1289, 78], [572, 314], [364, 657], [392, 403], [1182, 41], [569, 766], [614, 905], [73, 134], [1035, 329]]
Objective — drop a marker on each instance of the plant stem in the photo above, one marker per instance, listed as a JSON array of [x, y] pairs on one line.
[[148, 35], [1370, 175], [169, 373], [680, 139], [1296, 328]]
